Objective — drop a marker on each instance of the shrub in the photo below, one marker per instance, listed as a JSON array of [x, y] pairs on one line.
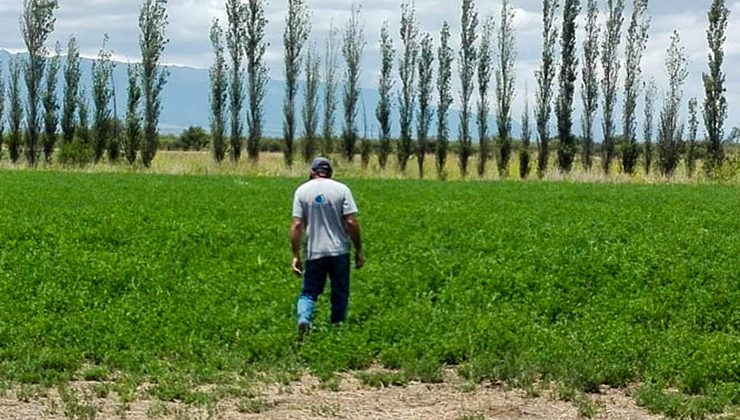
[[75, 153], [194, 138]]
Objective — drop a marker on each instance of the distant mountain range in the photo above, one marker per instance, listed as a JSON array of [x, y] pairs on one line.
[[185, 102]]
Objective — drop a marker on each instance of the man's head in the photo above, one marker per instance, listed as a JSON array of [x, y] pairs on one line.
[[321, 168]]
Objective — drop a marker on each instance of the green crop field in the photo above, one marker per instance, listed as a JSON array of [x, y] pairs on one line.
[[180, 281]]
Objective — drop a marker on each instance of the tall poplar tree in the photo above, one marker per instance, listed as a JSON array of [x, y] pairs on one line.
[[132, 138], [637, 36], [445, 57], [331, 64], [567, 147], [651, 94], [297, 30], [71, 91], [219, 84], [257, 73], [505, 84], [426, 80], [114, 144], [311, 104], [590, 82], [468, 58], [610, 65], [102, 75], [691, 147], [37, 23], [51, 104], [485, 72], [15, 114], [2, 109], [352, 49], [407, 71], [715, 100], [669, 132], [83, 123], [152, 25], [524, 158], [385, 88], [366, 146], [545, 79], [235, 36]]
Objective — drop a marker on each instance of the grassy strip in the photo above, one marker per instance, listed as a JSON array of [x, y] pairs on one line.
[[273, 164]]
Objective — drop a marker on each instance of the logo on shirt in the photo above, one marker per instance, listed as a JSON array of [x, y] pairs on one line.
[[320, 199]]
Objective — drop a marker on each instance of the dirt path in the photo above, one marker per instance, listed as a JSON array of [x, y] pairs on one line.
[[349, 399]]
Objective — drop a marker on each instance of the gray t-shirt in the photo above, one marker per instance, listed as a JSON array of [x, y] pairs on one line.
[[322, 204]]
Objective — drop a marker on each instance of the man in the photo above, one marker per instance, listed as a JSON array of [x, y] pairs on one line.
[[327, 211]]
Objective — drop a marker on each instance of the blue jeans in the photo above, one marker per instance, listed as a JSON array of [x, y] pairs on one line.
[[314, 280]]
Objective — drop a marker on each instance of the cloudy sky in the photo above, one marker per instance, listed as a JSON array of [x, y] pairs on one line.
[[190, 20]]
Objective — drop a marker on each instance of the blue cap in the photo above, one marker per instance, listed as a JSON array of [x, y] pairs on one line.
[[321, 165]]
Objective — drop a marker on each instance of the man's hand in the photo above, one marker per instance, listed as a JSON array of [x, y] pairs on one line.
[[353, 228], [359, 259], [296, 232], [297, 266]]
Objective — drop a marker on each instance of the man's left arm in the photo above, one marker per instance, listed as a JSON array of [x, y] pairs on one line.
[[353, 227]]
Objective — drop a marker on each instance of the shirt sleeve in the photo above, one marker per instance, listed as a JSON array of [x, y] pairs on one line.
[[297, 206], [349, 206]]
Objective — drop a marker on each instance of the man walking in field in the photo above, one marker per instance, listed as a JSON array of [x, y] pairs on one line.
[[327, 211]]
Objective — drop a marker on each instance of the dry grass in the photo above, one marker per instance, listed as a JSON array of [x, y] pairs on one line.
[[272, 165]]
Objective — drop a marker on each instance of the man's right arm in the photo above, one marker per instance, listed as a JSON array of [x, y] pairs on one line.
[[296, 233], [353, 229]]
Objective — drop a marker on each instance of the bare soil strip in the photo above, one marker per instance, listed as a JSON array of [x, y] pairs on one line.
[[348, 399]]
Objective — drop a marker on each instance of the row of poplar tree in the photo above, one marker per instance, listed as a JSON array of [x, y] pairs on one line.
[[486, 54], [38, 128]]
